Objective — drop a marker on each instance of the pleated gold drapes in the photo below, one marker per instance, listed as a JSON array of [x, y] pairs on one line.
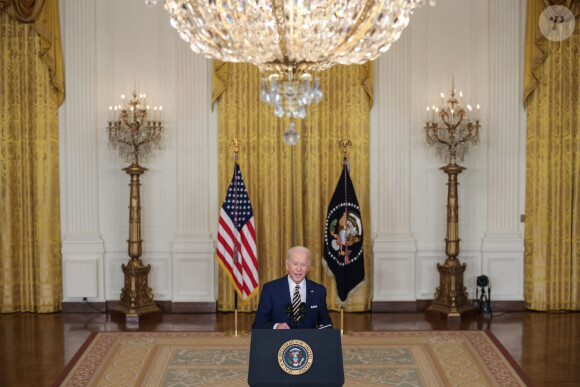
[[31, 90], [552, 229], [25, 11], [290, 187]]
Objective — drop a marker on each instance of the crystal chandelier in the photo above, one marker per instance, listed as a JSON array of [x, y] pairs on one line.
[[134, 128], [455, 130], [291, 40]]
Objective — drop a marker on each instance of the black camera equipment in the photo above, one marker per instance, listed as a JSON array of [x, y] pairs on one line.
[[483, 302], [482, 281]]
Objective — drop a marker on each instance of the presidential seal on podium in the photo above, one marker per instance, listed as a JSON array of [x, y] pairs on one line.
[[295, 357]]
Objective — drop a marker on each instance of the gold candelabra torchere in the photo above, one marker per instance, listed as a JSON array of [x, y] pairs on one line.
[[452, 136], [136, 130]]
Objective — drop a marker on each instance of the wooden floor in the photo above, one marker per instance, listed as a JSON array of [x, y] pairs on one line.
[[35, 348]]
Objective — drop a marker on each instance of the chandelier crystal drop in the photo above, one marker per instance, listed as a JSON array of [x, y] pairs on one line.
[[291, 136], [291, 40], [291, 96]]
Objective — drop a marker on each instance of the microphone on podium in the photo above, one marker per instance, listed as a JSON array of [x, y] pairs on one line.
[[296, 319]]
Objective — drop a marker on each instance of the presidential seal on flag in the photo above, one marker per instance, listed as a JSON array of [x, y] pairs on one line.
[[346, 231], [343, 237]]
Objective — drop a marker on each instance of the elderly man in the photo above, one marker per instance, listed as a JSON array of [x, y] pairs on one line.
[[293, 301]]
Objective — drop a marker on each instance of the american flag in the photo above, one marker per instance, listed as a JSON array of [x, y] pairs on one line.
[[236, 248]]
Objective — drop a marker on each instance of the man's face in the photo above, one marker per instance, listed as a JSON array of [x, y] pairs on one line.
[[298, 265]]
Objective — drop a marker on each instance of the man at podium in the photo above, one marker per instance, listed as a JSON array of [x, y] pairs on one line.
[[293, 301]]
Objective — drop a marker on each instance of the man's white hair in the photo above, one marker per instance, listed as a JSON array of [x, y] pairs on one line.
[[301, 249]]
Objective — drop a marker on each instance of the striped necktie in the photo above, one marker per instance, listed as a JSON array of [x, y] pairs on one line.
[[296, 300]]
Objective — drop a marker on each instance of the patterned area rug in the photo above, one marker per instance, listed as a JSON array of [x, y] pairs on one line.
[[390, 358]]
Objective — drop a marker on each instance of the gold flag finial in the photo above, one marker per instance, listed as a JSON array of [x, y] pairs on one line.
[[235, 146], [344, 144]]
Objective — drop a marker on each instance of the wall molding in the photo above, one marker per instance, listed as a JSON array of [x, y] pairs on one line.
[[193, 268], [168, 307], [422, 305], [82, 244], [502, 244], [394, 267], [193, 249], [393, 246]]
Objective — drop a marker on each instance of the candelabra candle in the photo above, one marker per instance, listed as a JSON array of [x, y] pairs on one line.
[[132, 132], [455, 131]]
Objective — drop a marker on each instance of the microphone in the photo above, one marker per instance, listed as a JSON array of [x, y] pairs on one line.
[[301, 312], [289, 312], [300, 315]]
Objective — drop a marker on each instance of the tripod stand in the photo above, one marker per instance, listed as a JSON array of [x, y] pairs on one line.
[[483, 301]]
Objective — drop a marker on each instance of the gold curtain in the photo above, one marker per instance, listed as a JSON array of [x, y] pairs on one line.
[[25, 11], [552, 232], [290, 186], [31, 90]]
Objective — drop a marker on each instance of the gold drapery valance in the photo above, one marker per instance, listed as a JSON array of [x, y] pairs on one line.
[[536, 50], [220, 79], [25, 11], [44, 14]]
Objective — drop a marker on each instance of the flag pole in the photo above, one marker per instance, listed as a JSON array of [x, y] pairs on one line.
[[235, 145], [235, 313], [292, 197], [236, 216], [344, 144]]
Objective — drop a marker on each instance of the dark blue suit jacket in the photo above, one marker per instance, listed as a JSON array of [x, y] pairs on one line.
[[276, 295]]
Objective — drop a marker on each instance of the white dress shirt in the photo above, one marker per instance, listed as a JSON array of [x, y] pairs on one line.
[[291, 287]]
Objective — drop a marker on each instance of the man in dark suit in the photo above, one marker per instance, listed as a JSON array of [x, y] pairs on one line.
[[293, 301]]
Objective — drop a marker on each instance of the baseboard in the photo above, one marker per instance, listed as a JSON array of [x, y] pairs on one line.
[[165, 306], [422, 305], [84, 307], [193, 307], [393, 306], [508, 306], [210, 307]]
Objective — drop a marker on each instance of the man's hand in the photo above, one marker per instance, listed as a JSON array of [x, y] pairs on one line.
[[282, 326]]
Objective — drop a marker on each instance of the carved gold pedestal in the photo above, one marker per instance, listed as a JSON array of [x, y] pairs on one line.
[[451, 296], [136, 296]]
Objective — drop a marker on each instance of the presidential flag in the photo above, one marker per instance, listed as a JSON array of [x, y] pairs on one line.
[[343, 237], [236, 247]]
